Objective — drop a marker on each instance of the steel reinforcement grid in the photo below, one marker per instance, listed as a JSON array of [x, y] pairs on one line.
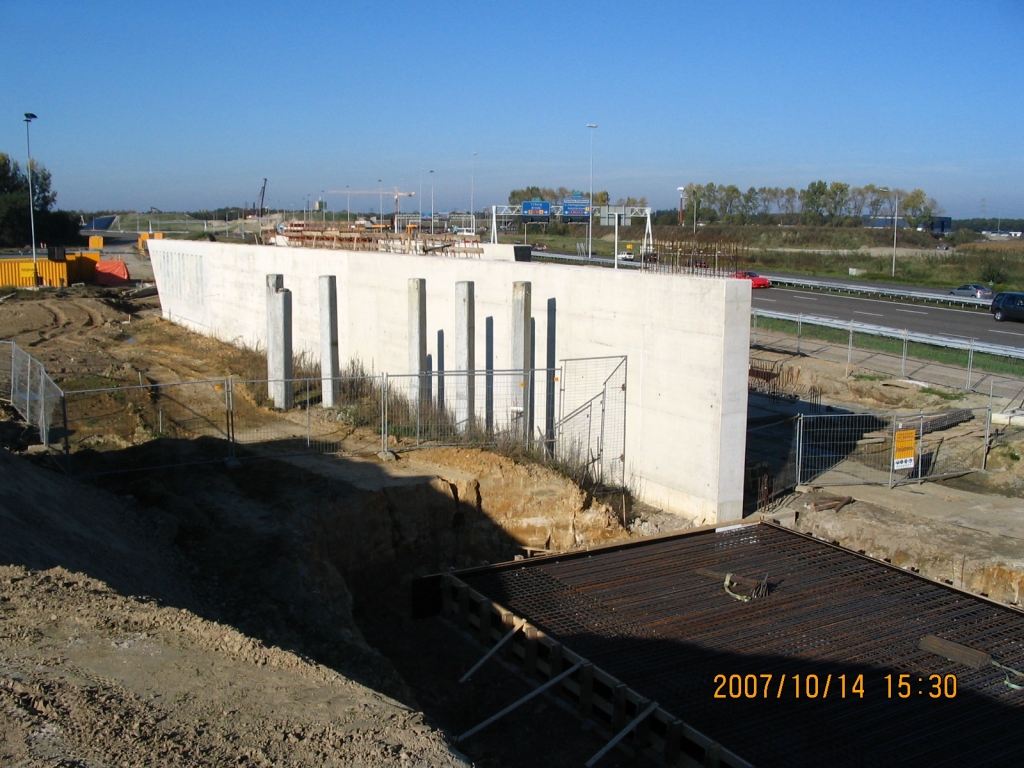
[[781, 649]]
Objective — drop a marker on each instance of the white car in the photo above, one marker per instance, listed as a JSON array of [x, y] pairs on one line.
[[626, 256]]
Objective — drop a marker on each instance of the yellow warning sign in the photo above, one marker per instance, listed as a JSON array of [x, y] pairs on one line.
[[905, 450]]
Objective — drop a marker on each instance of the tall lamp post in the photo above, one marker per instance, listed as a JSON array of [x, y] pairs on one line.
[[682, 194], [29, 117], [348, 205], [431, 202], [590, 217], [472, 192], [380, 205], [895, 219]]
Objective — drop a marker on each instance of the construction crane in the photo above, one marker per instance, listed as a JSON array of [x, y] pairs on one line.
[[259, 213], [395, 191]]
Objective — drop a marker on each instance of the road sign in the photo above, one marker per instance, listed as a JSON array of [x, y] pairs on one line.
[[576, 207], [536, 209], [905, 450]]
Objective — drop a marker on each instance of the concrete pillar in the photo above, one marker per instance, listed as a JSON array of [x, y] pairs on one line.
[[329, 365], [522, 352], [465, 354], [279, 342], [418, 337]]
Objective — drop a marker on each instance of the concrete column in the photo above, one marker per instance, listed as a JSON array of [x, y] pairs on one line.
[[279, 344], [522, 352], [418, 336], [465, 353], [329, 367]]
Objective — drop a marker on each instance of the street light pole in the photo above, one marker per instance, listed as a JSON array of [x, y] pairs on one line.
[[895, 219], [431, 202], [472, 192], [682, 193], [590, 217], [348, 205], [29, 117], [380, 204]]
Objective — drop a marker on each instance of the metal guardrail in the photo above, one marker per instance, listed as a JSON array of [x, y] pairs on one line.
[[869, 290], [951, 342]]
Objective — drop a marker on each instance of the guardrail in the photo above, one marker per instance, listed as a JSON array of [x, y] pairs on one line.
[[870, 290], [951, 342]]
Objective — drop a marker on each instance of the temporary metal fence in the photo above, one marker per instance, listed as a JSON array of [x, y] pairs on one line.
[[592, 422], [33, 393], [131, 427], [891, 449], [848, 342], [6, 363]]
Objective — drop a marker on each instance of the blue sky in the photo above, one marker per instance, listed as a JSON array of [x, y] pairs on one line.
[[189, 105]]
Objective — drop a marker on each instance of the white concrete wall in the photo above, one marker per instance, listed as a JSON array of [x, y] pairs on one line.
[[686, 339]]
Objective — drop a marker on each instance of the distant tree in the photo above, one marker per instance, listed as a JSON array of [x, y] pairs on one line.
[[790, 203], [918, 208], [858, 196], [56, 227], [813, 201], [601, 198], [836, 201]]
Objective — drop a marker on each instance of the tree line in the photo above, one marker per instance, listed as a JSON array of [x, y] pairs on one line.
[[52, 226], [556, 196], [820, 203]]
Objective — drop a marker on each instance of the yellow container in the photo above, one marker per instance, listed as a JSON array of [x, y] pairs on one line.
[[18, 273], [158, 235], [82, 267], [95, 242]]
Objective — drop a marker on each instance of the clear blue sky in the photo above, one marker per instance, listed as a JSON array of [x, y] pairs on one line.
[[187, 105]]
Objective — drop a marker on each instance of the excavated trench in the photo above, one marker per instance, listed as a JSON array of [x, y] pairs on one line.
[[316, 554]]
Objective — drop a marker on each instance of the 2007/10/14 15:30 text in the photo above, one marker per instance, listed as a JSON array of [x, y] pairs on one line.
[[812, 686]]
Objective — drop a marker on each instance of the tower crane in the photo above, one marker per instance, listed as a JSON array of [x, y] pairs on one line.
[[396, 192]]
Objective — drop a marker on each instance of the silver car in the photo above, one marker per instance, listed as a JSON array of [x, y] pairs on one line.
[[973, 290]]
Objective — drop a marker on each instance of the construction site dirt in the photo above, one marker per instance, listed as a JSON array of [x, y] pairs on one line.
[[256, 613]]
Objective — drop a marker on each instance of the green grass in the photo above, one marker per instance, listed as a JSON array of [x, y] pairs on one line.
[[953, 357], [943, 395], [870, 377]]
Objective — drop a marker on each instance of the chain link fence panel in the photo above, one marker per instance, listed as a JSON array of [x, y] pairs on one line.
[[6, 362], [889, 449]]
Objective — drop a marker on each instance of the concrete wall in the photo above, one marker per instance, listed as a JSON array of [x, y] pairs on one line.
[[686, 339]]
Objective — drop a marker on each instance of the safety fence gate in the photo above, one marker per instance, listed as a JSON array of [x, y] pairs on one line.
[[591, 427], [890, 449]]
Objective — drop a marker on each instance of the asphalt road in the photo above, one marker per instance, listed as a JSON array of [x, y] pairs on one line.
[[961, 323]]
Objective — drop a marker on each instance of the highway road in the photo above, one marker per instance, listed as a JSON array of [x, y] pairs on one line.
[[960, 323]]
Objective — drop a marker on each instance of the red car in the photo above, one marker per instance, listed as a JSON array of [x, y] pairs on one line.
[[756, 280]]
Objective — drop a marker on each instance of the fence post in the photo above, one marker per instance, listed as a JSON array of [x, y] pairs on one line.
[[892, 453], [384, 412], [307, 414], [227, 418], [799, 331], [988, 432], [800, 449], [849, 353], [970, 362], [67, 443], [903, 367], [755, 327]]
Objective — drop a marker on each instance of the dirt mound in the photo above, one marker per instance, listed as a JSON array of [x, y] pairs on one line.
[[91, 675]]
